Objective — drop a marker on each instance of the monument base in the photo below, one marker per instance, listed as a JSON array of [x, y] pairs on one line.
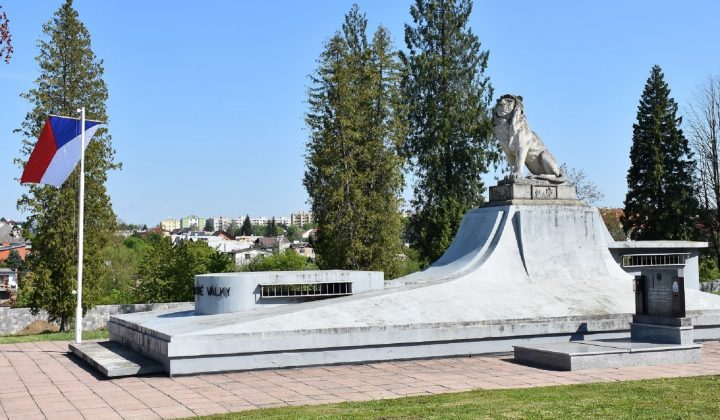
[[602, 354], [515, 275], [664, 330]]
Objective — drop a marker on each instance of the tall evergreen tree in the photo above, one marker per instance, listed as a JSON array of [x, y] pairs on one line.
[[271, 228], [661, 201], [354, 171], [449, 140], [70, 78], [246, 228]]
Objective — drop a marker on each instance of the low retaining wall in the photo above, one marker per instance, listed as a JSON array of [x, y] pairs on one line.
[[13, 320], [710, 286]]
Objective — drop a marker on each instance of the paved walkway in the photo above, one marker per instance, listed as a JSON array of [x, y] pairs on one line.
[[41, 380]]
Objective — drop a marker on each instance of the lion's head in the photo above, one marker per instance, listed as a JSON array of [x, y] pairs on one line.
[[506, 104]]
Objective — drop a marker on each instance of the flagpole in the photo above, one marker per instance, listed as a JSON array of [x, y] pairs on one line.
[[81, 224]]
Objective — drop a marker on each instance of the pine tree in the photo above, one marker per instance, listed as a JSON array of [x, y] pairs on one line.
[[661, 201], [354, 171], [246, 228], [270, 228], [15, 261], [449, 139], [70, 78]]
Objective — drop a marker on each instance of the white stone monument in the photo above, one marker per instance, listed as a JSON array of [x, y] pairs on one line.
[[530, 266]]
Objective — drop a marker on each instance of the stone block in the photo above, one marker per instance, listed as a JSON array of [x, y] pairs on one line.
[[654, 333], [532, 191], [581, 355]]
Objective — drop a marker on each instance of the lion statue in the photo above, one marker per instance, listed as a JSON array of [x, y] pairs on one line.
[[520, 144]]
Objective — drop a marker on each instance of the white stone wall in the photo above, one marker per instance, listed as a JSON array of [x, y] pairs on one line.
[[13, 320]]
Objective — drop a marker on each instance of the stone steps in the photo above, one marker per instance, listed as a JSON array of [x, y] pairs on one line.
[[114, 360]]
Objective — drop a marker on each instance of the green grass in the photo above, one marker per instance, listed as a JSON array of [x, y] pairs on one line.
[[690, 398], [48, 336]]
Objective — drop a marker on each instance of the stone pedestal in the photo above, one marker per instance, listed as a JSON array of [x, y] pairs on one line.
[[662, 330], [529, 191]]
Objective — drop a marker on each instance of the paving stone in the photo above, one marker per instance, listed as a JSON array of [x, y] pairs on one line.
[[162, 397]]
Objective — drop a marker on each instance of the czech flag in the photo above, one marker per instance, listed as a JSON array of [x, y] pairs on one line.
[[57, 151]]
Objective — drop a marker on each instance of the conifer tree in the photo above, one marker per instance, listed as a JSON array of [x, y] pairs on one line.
[[271, 228], [246, 228], [661, 201], [70, 78], [354, 171], [449, 139]]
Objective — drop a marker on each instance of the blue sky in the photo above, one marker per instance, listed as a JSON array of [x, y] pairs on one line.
[[207, 98]]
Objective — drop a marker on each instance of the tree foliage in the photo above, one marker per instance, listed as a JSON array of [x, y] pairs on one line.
[[704, 132], [6, 48], [611, 217], [246, 228], [449, 140], [15, 261], [272, 229], [660, 202], [354, 170], [167, 272], [587, 190], [70, 78], [288, 260], [121, 269], [293, 233]]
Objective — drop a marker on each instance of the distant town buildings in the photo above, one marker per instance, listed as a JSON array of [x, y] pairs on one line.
[[11, 239], [192, 222], [262, 221], [225, 222], [301, 219], [170, 224]]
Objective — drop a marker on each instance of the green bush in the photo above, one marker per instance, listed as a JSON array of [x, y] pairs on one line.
[[708, 269], [284, 261]]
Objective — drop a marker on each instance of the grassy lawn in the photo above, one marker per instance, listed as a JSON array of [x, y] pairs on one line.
[[55, 336], [690, 398]]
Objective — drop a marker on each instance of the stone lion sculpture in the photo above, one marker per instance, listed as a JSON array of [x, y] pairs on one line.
[[520, 144]]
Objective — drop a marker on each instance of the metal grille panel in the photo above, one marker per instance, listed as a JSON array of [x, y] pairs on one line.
[[654, 260], [270, 291]]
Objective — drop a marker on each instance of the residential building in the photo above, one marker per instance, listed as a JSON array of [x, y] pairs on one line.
[[224, 222], [8, 279], [301, 218], [272, 243], [8, 283], [303, 249], [11, 239], [22, 248], [170, 224], [244, 256], [259, 221], [192, 222]]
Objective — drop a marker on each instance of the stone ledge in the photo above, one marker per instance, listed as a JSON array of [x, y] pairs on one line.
[[596, 354], [526, 202]]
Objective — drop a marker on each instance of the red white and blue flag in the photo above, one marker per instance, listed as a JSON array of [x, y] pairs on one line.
[[57, 151]]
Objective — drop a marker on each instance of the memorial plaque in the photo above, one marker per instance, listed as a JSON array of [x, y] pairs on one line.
[[544, 192], [500, 193], [660, 293]]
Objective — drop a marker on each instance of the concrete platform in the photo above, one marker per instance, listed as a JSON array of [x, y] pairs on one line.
[[114, 360], [514, 275], [601, 354]]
